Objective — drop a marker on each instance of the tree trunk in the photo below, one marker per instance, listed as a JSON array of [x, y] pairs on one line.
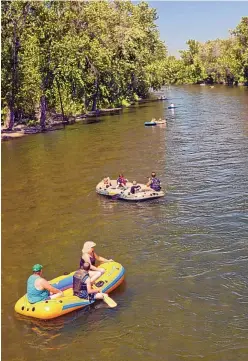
[[95, 96], [37, 111], [10, 118], [43, 112], [15, 47], [61, 104]]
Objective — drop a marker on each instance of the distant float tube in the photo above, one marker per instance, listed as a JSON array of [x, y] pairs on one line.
[[150, 124], [171, 107]]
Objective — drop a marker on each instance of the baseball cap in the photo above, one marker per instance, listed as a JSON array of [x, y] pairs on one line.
[[37, 267]]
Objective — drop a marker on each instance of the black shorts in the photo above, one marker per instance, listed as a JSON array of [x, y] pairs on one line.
[[90, 297]]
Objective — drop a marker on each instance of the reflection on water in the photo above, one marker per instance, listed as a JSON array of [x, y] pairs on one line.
[[185, 255]]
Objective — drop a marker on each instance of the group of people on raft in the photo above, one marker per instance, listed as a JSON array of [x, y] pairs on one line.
[[39, 289], [153, 183]]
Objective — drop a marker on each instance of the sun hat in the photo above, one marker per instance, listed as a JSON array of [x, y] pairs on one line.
[[37, 267], [87, 246]]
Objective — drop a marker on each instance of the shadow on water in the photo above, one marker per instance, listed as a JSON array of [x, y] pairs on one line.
[[91, 120]]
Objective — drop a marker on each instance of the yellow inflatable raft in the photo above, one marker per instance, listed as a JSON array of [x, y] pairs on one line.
[[112, 278]]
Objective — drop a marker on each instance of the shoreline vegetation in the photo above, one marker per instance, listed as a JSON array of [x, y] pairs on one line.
[[62, 58], [55, 121]]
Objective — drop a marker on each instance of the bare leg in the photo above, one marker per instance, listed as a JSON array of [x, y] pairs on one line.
[[94, 275], [99, 296], [56, 295]]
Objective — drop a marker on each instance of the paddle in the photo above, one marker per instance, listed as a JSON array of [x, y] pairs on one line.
[[110, 302]]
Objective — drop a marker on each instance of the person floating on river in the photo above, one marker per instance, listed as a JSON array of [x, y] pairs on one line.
[[172, 105], [121, 181], [161, 121], [88, 255], [135, 187], [82, 284], [154, 183], [39, 289]]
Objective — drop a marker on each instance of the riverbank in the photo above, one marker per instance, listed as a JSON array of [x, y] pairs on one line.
[[55, 121]]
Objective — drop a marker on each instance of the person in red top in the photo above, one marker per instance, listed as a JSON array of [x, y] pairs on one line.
[[121, 181]]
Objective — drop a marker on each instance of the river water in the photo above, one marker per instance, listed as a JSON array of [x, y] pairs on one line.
[[185, 295]]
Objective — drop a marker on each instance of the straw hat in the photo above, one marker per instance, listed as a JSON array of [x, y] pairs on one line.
[[87, 246]]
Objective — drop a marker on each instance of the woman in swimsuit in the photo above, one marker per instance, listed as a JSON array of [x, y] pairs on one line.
[[88, 255]]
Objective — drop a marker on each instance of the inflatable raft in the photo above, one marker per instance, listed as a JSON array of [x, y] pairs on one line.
[[112, 278], [111, 190], [141, 195], [125, 193]]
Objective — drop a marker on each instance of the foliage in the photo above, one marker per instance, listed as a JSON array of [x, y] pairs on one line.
[[215, 61], [74, 56], [77, 56]]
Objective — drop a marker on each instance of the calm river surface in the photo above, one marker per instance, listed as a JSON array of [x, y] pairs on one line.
[[185, 296]]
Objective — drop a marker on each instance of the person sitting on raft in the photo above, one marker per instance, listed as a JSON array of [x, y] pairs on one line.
[[107, 182], [154, 182], [88, 255], [82, 284], [39, 289], [121, 181], [135, 187], [162, 121]]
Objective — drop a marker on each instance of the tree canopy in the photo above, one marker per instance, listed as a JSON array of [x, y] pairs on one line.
[[70, 57]]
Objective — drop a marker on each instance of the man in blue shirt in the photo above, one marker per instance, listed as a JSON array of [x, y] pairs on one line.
[[39, 289]]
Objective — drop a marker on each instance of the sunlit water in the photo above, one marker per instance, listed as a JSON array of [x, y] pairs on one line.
[[185, 296]]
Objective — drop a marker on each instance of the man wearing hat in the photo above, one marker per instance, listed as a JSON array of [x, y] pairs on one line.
[[39, 289]]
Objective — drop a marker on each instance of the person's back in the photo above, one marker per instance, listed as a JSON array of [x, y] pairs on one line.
[[33, 293], [39, 289], [154, 183], [82, 284], [79, 283]]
